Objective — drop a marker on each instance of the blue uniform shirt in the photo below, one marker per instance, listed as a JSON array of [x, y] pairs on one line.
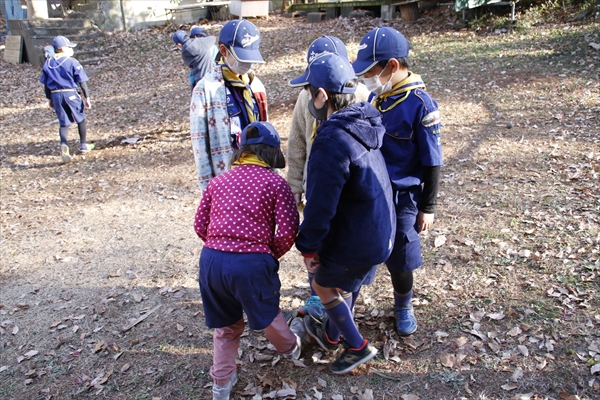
[[62, 73], [412, 132]]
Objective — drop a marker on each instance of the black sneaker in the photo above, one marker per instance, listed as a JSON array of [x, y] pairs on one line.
[[317, 330], [352, 358]]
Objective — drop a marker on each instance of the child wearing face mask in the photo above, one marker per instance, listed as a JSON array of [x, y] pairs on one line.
[[303, 129], [226, 100], [349, 222], [61, 76], [412, 148]]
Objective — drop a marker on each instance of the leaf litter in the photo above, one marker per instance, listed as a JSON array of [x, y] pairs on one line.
[[507, 297]]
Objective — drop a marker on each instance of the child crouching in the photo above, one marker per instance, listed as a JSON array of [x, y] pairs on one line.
[[247, 219]]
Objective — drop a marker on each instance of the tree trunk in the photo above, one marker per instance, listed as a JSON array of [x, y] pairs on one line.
[[123, 16]]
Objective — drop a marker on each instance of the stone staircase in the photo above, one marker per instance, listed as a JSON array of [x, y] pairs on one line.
[[91, 42]]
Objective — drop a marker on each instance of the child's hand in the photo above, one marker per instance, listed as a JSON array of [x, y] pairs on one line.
[[425, 221], [50, 104], [312, 264], [88, 103]]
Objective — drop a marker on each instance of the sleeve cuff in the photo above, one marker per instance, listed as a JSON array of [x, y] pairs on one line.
[[311, 255]]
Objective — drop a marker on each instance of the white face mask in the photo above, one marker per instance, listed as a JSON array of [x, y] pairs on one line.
[[374, 85], [237, 67], [68, 51]]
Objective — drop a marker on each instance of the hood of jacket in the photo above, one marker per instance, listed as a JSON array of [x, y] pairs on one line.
[[362, 121]]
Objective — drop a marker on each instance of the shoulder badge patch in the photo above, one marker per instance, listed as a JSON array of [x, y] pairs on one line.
[[431, 119]]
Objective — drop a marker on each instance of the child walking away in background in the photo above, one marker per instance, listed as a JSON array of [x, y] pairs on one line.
[[349, 222], [226, 100], [412, 148], [247, 219], [197, 51], [61, 74]]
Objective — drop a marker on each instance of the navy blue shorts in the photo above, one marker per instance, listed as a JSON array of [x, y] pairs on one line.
[[345, 277], [232, 283], [406, 255], [69, 107]]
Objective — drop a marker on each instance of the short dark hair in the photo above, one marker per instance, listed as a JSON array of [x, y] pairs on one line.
[[403, 61], [339, 101], [271, 155]]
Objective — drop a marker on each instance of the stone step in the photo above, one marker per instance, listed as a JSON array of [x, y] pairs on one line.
[[93, 53], [61, 31], [91, 61], [58, 23], [83, 42]]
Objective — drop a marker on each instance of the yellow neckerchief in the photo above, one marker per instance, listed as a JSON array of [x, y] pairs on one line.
[[315, 127], [412, 81], [243, 82], [250, 159], [58, 56]]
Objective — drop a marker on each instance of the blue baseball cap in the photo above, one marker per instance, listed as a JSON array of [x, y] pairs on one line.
[[380, 44], [60, 41], [197, 31], [322, 45], [266, 135], [180, 37], [242, 39], [331, 72]]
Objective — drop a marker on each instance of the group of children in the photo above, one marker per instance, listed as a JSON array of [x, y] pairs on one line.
[[367, 158]]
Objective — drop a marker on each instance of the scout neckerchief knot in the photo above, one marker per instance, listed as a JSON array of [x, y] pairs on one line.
[[250, 159], [243, 82], [412, 81]]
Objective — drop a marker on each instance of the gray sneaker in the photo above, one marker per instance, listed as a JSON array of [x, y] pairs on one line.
[[352, 358], [64, 152], [318, 331], [297, 327], [223, 392], [86, 148]]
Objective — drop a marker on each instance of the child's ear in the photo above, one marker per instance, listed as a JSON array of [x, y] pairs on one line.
[[395, 65], [222, 50], [324, 92]]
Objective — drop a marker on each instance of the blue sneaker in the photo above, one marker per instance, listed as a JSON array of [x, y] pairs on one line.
[[406, 323], [314, 308]]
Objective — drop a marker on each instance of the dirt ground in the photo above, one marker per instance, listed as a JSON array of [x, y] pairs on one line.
[[507, 299]]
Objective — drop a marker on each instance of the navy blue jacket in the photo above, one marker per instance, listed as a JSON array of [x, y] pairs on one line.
[[349, 217]]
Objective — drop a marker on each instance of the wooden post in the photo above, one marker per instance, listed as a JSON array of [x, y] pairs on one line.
[[409, 11]]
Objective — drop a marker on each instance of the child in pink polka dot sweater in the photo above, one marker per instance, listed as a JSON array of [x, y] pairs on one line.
[[247, 219]]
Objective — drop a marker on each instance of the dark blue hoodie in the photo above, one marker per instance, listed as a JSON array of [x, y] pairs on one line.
[[349, 217]]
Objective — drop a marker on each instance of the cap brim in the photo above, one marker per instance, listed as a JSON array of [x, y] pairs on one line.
[[246, 55], [300, 81], [362, 67]]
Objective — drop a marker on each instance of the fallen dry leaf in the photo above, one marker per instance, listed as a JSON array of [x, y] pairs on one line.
[[447, 360], [409, 397], [367, 395], [509, 386]]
